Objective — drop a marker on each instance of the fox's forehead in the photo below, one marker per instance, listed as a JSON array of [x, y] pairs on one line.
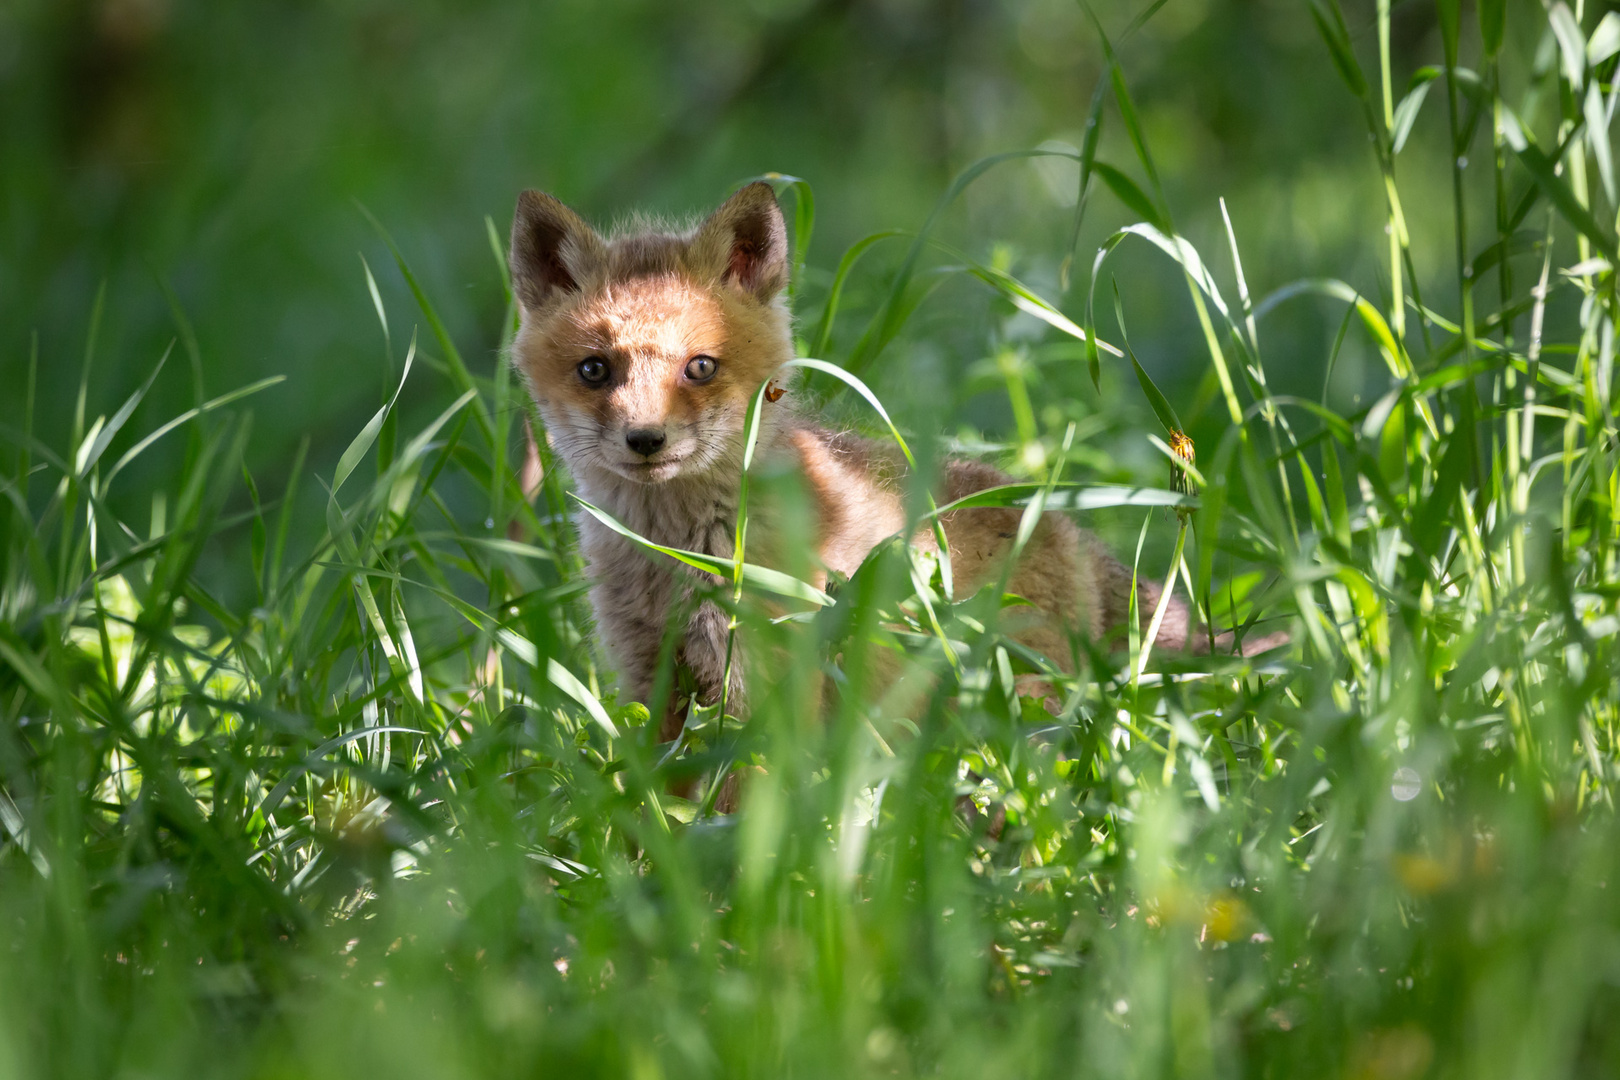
[[663, 314]]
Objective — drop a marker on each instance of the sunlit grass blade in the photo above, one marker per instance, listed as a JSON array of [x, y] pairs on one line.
[[90, 453], [1026, 300], [760, 577], [189, 415], [1067, 496], [1406, 113], [363, 442]]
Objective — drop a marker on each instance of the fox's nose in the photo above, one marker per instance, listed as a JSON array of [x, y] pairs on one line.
[[645, 441]]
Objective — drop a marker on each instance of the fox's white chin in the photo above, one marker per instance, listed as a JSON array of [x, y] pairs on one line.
[[650, 472]]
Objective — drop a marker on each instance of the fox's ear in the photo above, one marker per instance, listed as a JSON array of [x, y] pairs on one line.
[[553, 250], [745, 243]]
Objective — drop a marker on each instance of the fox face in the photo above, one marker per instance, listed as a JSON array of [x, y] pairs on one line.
[[643, 350]]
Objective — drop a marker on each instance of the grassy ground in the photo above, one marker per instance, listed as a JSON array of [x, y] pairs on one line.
[[367, 804]]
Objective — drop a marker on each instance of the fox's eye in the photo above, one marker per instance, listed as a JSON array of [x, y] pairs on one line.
[[593, 370], [701, 368]]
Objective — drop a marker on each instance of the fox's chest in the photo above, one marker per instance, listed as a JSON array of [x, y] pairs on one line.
[[701, 521], [694, 522]]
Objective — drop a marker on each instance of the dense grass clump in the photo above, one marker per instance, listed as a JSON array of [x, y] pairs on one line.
[[384, 815]]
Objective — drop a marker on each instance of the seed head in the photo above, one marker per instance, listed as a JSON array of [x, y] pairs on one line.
[[1181, 450], [1182, 447]]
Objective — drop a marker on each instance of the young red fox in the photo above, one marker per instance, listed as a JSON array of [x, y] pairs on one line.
[[643, 351]]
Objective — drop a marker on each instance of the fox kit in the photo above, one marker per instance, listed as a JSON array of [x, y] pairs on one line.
[[643, 350]]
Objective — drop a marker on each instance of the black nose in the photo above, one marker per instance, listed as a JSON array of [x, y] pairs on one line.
[[645, 441]]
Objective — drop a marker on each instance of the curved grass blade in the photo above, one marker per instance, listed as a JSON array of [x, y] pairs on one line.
[[1406, 113], [368, 435], [92, 451], [1394, 356], [1067, 496], [419, 445], [761, 577], [1187, 256], [190, 414], [1127, 112], [1023, 297], [1604, 42], [847, 263], [850, 379], [1242, 284], [1571, 42], [1161, 404], [1199, 285]]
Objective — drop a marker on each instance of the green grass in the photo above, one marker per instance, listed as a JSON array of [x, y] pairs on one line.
[[383, 814]]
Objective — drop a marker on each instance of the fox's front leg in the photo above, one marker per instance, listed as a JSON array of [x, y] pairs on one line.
[[704, 650], [632, 643], [632, 617], [631, 603]]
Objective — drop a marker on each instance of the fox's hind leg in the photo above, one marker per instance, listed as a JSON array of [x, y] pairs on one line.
[[1052, 571]]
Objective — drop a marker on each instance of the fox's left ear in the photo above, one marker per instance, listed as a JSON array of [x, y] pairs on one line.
[[553, 250], [745, 243]]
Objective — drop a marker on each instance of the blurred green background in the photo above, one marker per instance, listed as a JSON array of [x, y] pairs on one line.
[[1444, 729], [225, 148]]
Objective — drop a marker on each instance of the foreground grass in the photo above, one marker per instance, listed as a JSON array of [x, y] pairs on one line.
[[387, 815]]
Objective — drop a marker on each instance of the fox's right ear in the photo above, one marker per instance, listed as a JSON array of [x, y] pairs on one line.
[[553, 250], [745, 242]]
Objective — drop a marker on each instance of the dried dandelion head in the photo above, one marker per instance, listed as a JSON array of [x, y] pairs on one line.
[[1181, 450], [1182, 447]]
